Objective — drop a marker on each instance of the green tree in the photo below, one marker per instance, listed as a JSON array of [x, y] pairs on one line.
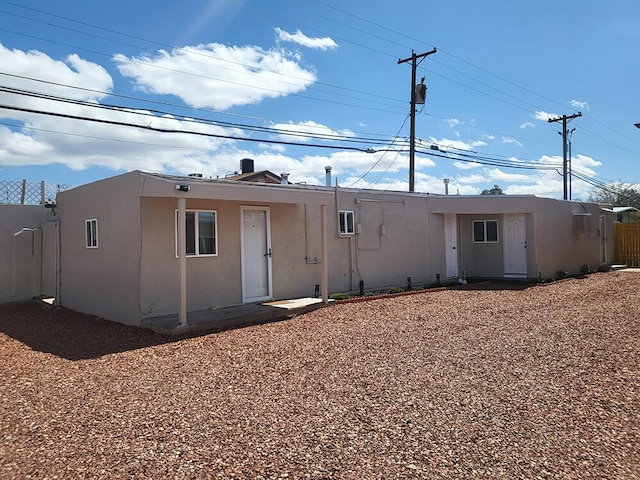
[[617, 194], [496, 190]]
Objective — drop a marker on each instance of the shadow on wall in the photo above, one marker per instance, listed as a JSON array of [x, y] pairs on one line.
[[72, 335]]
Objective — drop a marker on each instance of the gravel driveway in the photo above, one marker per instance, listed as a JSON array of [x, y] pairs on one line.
[[479, 382]]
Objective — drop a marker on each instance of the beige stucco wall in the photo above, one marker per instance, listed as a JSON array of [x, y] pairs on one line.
[[560, 247], [103, 281], [50, 254], [20, 251], [378, 257], [135, 274], [392, 241], [552, 243]]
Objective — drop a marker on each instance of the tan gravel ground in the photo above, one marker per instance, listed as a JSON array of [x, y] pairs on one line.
[[476, 383]]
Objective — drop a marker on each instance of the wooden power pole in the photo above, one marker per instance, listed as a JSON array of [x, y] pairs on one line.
[[412, 135], [564, 119]]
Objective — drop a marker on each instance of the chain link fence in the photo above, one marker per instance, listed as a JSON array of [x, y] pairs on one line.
[[29, 193]]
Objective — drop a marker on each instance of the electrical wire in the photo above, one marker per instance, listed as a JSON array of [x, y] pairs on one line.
[[157, 113], [587, 133], [252, 68], [381, 156], [189, 132]]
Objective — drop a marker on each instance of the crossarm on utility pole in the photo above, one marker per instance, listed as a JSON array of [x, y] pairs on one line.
[[412, 134], [564, 119]]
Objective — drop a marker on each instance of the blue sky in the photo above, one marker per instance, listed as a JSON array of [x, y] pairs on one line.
[[196, 86]]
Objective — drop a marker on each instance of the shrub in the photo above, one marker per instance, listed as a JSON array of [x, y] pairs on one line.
[[339, 296], [394, 290], [560, 274]]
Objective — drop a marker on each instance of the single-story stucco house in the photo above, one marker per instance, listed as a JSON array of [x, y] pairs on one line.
[[139, 245]]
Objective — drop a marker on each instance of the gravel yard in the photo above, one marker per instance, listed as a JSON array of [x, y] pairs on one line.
[[478, 382]]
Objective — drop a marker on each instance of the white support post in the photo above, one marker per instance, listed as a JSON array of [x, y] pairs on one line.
[[182, 257], [323, 251]]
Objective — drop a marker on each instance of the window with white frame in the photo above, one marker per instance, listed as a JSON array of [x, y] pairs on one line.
[[346, 222], [91, 232], [485, 231], [201, 233]]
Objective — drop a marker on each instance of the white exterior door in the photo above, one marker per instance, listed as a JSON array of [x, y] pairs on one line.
[[255, 254], [451, 245], [603, 239], [515, 245]]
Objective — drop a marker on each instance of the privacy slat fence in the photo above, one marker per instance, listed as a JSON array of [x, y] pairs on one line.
[[627, 243]]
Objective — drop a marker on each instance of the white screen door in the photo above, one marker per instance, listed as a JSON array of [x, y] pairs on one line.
[[256, 254], [515, 245], [451, 245]]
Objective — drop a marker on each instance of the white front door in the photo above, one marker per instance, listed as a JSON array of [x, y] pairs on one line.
[[603, 238], [451, 245], [255, 254], [515, 245]]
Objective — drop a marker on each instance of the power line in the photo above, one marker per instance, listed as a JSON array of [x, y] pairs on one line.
[[155, 113], [164, 45], [382, 137], [189, 132], [446, 52]]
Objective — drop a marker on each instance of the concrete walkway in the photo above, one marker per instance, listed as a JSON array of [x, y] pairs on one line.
[[234, 316]]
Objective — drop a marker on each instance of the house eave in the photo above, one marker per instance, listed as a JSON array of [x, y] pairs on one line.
[[164, 186]]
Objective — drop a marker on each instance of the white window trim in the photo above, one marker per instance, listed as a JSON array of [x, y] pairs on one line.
[[484, 222], [196, 233], [346, 213], [88, 243]]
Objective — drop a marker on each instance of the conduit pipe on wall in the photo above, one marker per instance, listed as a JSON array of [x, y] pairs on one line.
[[323, 251], [309, 260], [182, 255]]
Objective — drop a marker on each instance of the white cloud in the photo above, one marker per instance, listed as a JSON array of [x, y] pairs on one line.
[[93, 80], [321, 43], [511, 140], [488, 136], [578, 104], [495, 174], [217, 76], [545, 116], [527, 125], [304, 131], [452, 122], [477, 178], [585, 164], [445, 143], [466, 165]]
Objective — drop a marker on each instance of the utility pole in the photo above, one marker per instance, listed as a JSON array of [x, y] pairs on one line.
[[412, 135], [564, 119]]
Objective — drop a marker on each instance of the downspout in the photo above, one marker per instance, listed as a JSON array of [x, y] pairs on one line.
[[58, 300], [325, 260], [182, 256], [430, 237]]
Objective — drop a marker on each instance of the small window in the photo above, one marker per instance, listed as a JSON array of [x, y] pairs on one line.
[[91, 232], [485, 231], [201, 233], [346, 222]]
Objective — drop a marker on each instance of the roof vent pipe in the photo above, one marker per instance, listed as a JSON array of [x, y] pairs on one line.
[[284, 178], [446, 186], [327, 171]]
